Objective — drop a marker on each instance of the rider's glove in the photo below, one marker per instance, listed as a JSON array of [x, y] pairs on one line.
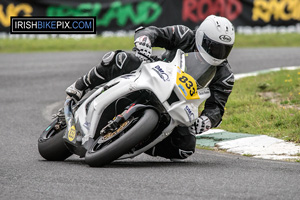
[[201, 125], [143, 49], [74, 93]]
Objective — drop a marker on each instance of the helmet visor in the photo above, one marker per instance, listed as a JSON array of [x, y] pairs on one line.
[[216, 49]]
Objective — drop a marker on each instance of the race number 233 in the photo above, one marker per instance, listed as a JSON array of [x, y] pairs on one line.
[[187, 86]]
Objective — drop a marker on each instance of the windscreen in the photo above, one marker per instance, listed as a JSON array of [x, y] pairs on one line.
[[199, 69]]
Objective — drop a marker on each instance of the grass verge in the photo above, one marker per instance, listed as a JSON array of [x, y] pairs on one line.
[[126, 43], [267, 104], [60, 44]]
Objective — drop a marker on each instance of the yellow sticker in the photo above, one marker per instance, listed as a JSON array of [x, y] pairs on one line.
[[187, 85], [72, 133]]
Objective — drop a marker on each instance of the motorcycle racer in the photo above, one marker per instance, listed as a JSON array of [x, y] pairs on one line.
[[213, 39]]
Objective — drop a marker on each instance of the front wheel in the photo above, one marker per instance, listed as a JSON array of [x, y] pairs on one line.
[[51, 145], [131, 132]]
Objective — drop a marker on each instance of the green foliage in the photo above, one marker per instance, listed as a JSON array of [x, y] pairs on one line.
[[273, 110]]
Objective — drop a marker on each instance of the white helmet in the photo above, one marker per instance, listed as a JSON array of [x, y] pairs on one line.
[[214, 39]]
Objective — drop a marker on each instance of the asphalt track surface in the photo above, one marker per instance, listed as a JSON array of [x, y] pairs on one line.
[[31, 83]]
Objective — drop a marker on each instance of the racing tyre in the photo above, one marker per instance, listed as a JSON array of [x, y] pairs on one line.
[[51, 145], [111, 146]]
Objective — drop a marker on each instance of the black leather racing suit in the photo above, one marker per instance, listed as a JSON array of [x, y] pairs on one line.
[[181, 37], [181, 143]]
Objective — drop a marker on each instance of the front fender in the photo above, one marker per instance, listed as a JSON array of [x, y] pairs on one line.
[[134, 108]]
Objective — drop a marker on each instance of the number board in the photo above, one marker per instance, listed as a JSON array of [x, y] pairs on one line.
[[72, 133], [187, 85]]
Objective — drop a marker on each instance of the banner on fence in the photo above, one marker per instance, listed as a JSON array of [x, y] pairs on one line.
[[126, 15]]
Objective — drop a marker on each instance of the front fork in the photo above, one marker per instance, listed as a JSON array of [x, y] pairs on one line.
[[115, 124], [72, 137]]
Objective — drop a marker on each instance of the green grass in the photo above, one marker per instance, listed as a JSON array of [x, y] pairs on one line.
[[250, 110], [59, 44], [126, 43], [248, 155], [268, 40]]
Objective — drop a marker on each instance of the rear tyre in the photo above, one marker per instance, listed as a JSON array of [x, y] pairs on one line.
[[51, 145], [133, 132]]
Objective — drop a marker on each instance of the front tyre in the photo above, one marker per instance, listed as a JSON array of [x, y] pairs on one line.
[[132, 132], [51, 145]]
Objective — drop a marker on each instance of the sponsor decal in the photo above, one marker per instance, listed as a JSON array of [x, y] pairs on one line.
[[72, 134], [202, 92], [196, 11], [189, 113], [55, 25], [277, 10], [225, 38], [143, 12], [182, 89], [161, 73]]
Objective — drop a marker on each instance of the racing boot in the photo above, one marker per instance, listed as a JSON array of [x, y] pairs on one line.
[[88, 81], [74, 92]]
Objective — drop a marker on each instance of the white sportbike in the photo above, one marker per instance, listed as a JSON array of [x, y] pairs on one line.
[[131, 113]]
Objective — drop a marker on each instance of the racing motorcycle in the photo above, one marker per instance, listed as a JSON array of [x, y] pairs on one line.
[[131, 113]]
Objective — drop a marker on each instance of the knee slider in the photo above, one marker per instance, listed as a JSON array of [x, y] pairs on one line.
[[114, 57]]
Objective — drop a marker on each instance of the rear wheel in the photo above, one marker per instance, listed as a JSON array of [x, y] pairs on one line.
[[111, 146], [51, 145]]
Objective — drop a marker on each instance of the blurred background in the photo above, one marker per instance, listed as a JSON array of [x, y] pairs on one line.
[[258, 23], [121, 18]]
